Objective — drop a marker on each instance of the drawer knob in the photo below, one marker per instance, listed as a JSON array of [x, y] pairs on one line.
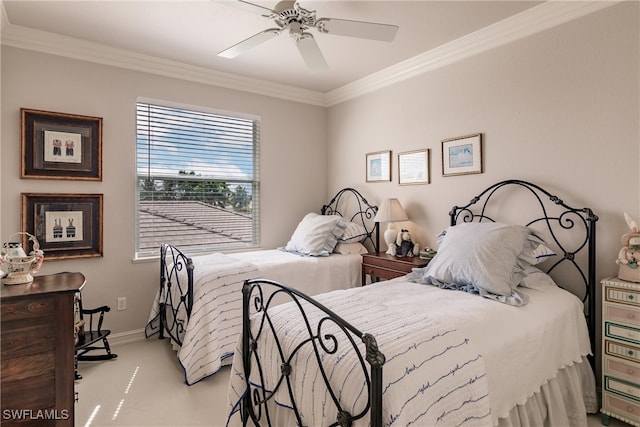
[[631, 316], [631, 297], [630, 352], [630, 371]]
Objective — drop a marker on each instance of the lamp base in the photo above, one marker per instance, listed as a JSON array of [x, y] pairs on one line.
[[389, 236]]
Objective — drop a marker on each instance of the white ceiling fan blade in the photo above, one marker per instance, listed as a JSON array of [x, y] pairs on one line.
[[250, 7], [361, 29], [250, 43], [311, 54]]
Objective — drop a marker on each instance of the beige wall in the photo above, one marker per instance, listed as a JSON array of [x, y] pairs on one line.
[[293, 168], [559, 108]]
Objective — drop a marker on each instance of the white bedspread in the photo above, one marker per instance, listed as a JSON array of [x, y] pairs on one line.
[[216, 319], [522, 347]]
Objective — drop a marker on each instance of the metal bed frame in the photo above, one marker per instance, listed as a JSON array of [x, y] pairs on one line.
[[176, 289], [258, 295]]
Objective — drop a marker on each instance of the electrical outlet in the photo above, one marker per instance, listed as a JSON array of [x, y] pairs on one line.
[[122, 303]]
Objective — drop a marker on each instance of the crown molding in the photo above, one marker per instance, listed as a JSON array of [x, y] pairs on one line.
[[524, 24], [69, 47]]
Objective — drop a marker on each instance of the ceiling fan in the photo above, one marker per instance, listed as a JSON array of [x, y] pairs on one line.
[[289, 15]]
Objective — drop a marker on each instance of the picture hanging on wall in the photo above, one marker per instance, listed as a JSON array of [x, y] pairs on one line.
[[66, 225], [379, 166], [60, 146], [413, 167], [462, 155]]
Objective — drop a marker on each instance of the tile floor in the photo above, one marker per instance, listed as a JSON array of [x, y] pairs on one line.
[[144, 386]]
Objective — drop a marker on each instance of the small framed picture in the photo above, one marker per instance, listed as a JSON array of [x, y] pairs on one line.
[[66, 225], [413, 167], [379, 166], [462, 155], [60, 146]]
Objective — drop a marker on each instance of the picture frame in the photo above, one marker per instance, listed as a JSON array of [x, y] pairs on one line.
[[66, 225], [413, 167], [462, 155], [60, 146], [379, 166]]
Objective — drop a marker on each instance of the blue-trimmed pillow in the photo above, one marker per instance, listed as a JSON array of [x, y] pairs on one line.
[[316, 235], [353, 232], [483, 255]]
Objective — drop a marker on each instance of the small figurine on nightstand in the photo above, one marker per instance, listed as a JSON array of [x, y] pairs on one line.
[[629, 255], [404, 246]]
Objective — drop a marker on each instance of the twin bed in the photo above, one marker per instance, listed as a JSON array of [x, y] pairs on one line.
[[199, 302], [484, 335]]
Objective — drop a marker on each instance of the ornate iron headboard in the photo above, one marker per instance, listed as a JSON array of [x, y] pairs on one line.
[[553, 215], [363, 215]]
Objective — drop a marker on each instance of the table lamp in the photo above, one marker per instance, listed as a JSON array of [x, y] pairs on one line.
[[390, 211]]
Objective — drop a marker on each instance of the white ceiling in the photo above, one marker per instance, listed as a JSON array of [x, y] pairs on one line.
[[193, 31]]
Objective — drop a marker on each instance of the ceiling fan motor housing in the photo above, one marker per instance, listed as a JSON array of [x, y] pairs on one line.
[[288, 12]]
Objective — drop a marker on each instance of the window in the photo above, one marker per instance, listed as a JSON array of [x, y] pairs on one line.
[[197, 179]]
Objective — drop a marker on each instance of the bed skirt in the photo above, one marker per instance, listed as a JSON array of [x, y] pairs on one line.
[[562, 401]]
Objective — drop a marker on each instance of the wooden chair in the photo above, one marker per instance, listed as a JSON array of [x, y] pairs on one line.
[[89, 334]]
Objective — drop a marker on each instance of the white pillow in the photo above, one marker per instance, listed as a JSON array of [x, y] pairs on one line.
[[535, 250], [316, 235], [484, 255], [353, 232], [534, 278], [350, 248]]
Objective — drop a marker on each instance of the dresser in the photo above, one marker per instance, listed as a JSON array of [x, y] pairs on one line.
[[37, 351], [621, 351], [381, 265]]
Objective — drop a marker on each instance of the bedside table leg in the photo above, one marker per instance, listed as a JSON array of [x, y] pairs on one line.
[[605, 419]]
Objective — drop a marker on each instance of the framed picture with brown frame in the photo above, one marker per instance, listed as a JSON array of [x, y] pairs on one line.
[[60, 146], [66, 225], [413, 167], [462, 155]]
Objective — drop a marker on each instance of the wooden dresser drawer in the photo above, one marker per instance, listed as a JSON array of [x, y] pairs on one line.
[[623, 388], [626, 408], [622, 314], [622, 296], [616, 367], [622, 332], [622, 350], [19, 339], [27, 308]]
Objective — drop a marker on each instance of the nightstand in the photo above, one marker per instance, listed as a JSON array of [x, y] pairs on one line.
[[621, 351], [384, 266]]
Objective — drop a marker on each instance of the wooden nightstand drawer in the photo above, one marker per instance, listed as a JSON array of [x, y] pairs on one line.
[[385, 266]]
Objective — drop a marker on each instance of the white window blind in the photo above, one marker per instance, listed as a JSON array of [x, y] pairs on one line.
[[197, 174]]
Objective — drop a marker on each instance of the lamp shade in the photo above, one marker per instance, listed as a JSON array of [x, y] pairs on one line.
[[391, 210]]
